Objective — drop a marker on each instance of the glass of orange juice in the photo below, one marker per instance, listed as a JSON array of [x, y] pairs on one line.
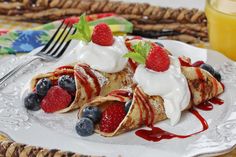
[[221, 16]]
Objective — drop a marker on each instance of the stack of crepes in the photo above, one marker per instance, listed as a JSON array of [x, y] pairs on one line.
[[148, 110]]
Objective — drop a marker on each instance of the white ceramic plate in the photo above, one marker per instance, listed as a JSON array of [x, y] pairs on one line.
[[57, 131]]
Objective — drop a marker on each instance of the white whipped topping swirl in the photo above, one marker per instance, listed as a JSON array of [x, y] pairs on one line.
[[171, 85], [105, 58]]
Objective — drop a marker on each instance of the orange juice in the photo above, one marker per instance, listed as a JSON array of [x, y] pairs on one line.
[[221, 16]]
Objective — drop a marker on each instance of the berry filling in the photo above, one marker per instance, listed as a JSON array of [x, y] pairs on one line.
[[112, 116], [201, 65], [55, 100], [84, 127], [93, 113], [51, 95], [107, 120]]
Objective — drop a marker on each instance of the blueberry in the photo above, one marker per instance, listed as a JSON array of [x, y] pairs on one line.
[[127, 106], [160, 44], [43, 86], [217, 76], [32, 101], [85, 127], [92, 112], [208, 68], [66, 82]]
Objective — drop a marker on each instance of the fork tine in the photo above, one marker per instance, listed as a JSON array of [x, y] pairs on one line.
[[52, 38], [65, 47], [55, 51], [57, 41]]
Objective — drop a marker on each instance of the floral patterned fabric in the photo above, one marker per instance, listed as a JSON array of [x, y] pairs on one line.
[[24, 41]]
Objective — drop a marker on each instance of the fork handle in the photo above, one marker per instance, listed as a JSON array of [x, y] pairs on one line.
[[16, 69]]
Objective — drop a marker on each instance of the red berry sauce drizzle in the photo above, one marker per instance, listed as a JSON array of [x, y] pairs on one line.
[[93, 76], [132, 64], [156, 134], [148, 110], [56, 73], [65, 67], [121, 94], [64, 70], [208, 105], [85, 83]]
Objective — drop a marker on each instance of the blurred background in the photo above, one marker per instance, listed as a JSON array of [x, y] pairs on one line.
[[174, 3]]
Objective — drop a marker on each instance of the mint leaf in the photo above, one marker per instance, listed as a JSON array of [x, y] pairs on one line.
[[138, 48], [83, 31], [140, 52], [146, 48], [137, 57], [142, 48]]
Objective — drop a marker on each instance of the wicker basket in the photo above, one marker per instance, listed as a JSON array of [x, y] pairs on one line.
[[149, 21]]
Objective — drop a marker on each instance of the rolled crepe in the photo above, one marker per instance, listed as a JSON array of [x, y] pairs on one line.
[[148, 110], [202, 84], [140, 112], [89, 82], [54, 76]]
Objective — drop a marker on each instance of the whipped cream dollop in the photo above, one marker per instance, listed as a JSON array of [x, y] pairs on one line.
[[105, 58], [171, 85]]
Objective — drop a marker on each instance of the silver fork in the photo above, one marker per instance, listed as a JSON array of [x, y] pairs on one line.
[[50, 52]]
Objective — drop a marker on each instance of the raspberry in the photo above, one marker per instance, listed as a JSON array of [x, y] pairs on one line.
[[102, 35], [55, 100], [112, 117], [157, 59]]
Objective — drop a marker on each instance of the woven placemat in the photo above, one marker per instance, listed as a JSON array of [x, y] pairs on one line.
[[9, 148], [187, 25]]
